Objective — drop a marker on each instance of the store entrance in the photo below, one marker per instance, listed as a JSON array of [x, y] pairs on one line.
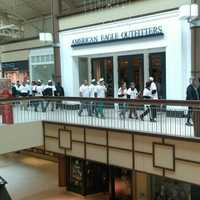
[[103, 68], [131, 69], [121, 184], [157, 69]]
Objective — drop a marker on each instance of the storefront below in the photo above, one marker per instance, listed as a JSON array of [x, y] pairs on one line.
[[87, 177]]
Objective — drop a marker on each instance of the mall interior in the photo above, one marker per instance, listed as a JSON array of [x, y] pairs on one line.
[[57, 154]]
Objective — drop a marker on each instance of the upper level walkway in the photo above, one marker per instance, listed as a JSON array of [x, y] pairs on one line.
[[170, 116]]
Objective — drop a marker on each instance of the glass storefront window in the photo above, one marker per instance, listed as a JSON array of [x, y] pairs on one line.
[[131, 70], [43, 72], [103, 68]]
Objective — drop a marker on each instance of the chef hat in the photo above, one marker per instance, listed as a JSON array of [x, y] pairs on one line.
[[151, 78], [101, 80]]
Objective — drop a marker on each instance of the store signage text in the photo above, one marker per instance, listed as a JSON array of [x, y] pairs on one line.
[[125, 35]]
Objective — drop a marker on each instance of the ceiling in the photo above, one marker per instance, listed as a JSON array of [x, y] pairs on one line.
[[19, 12]]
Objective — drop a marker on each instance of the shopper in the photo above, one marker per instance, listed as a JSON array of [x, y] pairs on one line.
[[38, 93], [29, 87], [132, 93], [59, 93], [17, 88], [14, 90], [49, 91], [154, 93], [101, 93], [24, 92], [147, 94], [191, 94], [122, 93], [92, 88], [85, 92]]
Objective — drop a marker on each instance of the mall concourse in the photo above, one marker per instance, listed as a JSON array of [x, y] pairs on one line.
[[128, 50]]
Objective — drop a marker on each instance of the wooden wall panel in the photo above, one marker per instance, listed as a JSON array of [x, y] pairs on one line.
[[144, 143], [144, 163], [52, 145], [186, 150], [52, 130], [96, 153], [77, 150], [120, 158], [120, 140], [180, 156], [77, 133], [96, 136], [187, 172]]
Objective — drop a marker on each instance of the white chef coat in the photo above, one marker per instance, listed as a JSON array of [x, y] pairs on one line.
[[101, 91], [154, 87], [24, 89], [147, 93], [132, 93], [85, 91], [39, 90], [92, 89], [124, 92]]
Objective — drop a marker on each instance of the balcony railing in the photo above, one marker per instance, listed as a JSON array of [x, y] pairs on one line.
[[163, 117]]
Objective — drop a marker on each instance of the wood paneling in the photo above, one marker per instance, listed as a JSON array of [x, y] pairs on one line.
[[131, 151]]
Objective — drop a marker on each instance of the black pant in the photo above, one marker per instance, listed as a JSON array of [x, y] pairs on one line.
[[147, 111], [154, 111], [189, 114], [87, 105], [132, 110]]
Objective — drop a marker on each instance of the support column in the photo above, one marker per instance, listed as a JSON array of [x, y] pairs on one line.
[[146, 67], [195, 52], [115, 75], [90, 70], [62, 171], [55, 11]]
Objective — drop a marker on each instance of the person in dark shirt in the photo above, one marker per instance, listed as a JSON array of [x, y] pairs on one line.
[[49, 91], [59, 93], [14, 90], [192, 94]]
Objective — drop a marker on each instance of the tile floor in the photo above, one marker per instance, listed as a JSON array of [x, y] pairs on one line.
[[31, 178]]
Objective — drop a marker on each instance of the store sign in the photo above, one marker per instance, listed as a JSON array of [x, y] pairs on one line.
[[119, 36]]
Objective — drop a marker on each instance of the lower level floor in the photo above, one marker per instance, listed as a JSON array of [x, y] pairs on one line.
[[31, 178]]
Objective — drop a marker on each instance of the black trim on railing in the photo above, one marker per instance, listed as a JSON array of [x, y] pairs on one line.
[[161, 102]]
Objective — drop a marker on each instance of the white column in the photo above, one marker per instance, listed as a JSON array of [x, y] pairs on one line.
[[146, 67], [115, 75], [89, 70]]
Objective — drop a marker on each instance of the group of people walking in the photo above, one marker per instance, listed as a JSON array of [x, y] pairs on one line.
[[93, 90], [97, 89], [38, 89], [149, 92]]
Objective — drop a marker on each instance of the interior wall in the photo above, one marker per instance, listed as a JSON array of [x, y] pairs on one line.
[[136, 8], [34, 27], [17, 51], [20, 136]]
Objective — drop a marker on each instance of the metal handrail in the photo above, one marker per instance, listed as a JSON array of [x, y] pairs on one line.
[[161, 102]]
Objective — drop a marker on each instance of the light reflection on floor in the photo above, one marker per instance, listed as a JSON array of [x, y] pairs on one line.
[[31, 178]]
